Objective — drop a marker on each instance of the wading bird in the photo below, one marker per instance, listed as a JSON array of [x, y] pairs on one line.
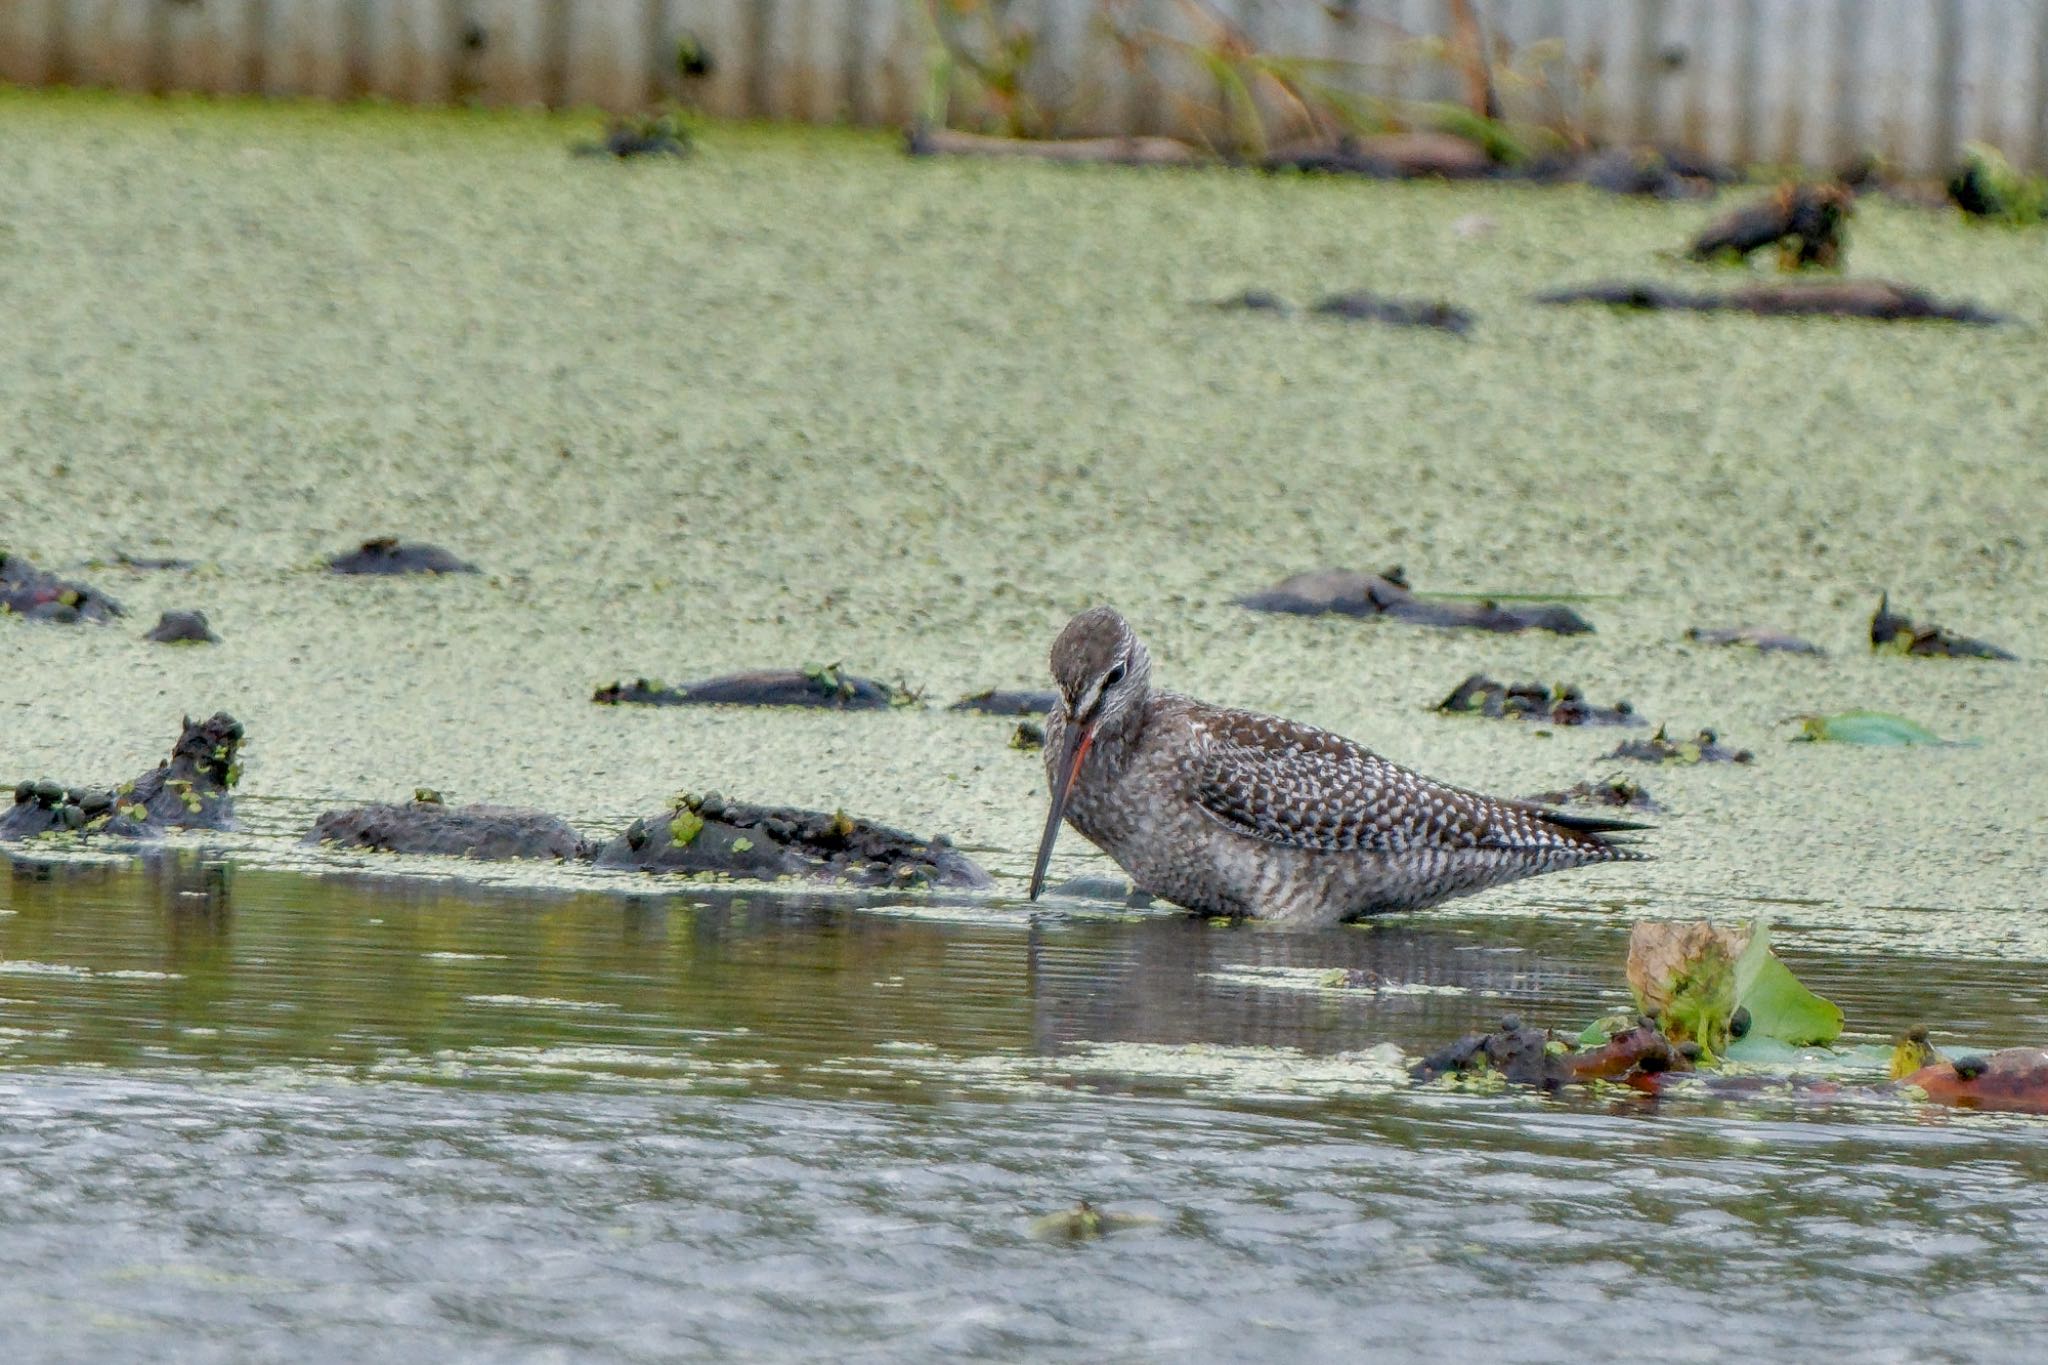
[[1236, 813]]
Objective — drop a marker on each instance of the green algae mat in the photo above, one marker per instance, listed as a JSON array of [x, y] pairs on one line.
[[800, 401]]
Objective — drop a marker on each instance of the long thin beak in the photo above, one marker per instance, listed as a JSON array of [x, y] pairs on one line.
[[1073, 748]]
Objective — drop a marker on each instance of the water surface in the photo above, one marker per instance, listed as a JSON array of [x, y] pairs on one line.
[[253, 1113]]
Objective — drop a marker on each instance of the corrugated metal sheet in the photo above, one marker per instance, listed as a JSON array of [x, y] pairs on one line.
[[1809, 81]]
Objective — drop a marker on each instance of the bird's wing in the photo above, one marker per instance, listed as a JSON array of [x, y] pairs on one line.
[[1301, 787]]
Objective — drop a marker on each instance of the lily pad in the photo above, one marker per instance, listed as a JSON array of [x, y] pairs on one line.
[[1880, 728], [1711, 986], [1779, 1005]]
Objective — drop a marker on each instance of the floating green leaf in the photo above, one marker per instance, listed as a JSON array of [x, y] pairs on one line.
[[686, 826], [1865, 727], [1605, 1027], [1779, 1005]]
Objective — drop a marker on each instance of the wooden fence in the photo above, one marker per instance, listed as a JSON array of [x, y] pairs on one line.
[[1813, 81]]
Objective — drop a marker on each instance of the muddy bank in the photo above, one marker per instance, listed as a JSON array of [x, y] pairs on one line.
[[1345, 592], [829, 688], [192, 789], [710, 834], [28, 591]]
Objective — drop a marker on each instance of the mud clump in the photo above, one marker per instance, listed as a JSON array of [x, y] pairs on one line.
[[1873, 299], [182, 628], [923, 140], [1520, 1055], [1254, 301], [1641, 172], [1899, 635], [998, 702], [389, 555], [2013, 1080], [1616, 793], [1807, 223], [193, 789], [1421, 155], [662, 136], [154, 563], [1706, 747], [1762, 639], [1028, 737], [828, 688], [711, 835], [28, 591], [1654, 172], [1363, 306], [1561, 705], [1345, 592], [425, 825]]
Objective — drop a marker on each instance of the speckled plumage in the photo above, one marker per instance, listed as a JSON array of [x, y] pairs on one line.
[[1236, 813]]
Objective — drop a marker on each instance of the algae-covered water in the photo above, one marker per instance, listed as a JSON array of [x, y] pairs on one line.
[[800, 400]]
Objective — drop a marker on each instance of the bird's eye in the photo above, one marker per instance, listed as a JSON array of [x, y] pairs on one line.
[[1113, 677]]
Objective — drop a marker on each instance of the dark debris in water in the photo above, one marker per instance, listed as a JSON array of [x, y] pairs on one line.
[[180, 628], [1617, 793], [1534, 1057], [1706, 747], [1346, 592], [1763, 639], [28, 591], [1518, 1054], [829, 688], [1875, 299], [1559, 705], [1029, 737], [1899, 635], [999, 702], [489, 833], [190, 790], [1359, 306], [153, 563], [710, 834], [1364, 306], [1418, 155], [389, 555], [1255, 301], [2012, 1080], [662, 135], [1643, 171], [1807, 223]]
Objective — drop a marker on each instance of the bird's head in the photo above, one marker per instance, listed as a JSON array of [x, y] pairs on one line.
[[1103, 674]]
